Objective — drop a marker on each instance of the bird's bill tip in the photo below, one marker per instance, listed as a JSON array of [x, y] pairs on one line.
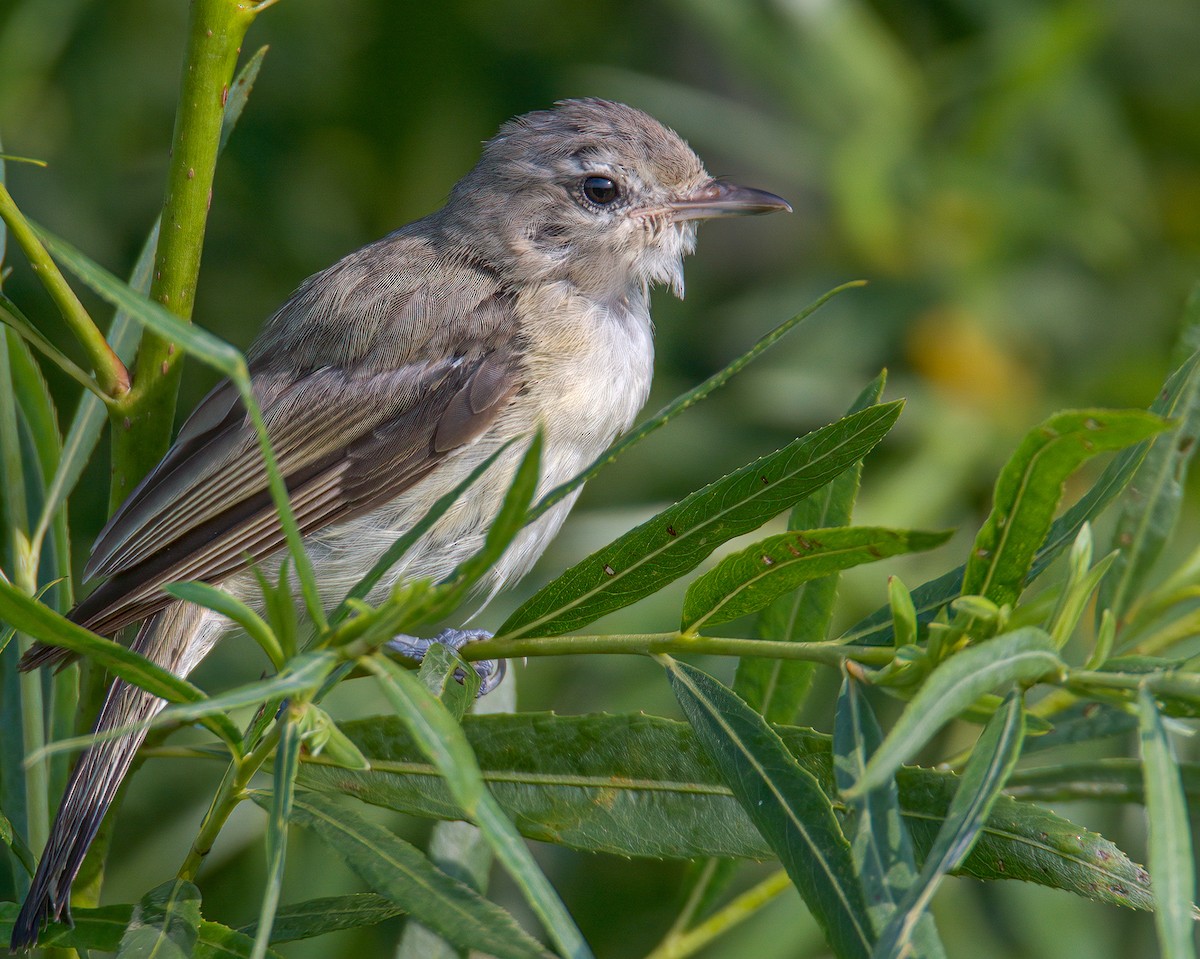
[[718, 198]]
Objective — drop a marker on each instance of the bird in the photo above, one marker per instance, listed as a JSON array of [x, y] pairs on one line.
[[522, 305]]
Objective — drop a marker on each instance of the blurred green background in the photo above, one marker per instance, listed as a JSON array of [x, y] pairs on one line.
[[1017, 179]]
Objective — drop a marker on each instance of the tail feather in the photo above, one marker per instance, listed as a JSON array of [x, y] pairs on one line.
[[176, 640]]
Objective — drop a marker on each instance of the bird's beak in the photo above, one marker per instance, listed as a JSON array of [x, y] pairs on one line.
[[718, 198]]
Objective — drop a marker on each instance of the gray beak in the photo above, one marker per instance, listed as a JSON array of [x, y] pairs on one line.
[[717, 198]]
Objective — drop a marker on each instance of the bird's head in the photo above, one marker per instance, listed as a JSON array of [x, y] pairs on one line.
[[596, 194]]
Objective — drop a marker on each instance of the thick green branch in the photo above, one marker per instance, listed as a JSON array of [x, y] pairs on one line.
[[111, 375], [144, 420]]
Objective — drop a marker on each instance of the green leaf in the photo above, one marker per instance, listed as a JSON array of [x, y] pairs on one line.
[[437, 672], [679, 538], [638, 785], [316, 917], [190, 338], [1116, 780], [321, 737], [283, 793], [123, 333], [101, 929], [1150, 506], [758, 575], [304, 673], [1022, 656], [404, 543], [1029, 489], [165, 923], [1171, 866], [42, 623], [233, 609], [776, 687], [399, 871], [929, 598], [442, 740], [221, 942], [685, 401], [784, 801], [995, 754], [879, 841], [16, 842]]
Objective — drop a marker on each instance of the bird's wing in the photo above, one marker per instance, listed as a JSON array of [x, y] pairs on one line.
[[345, 443]]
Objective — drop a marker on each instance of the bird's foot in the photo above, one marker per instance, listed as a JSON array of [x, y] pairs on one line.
[[490, 671]]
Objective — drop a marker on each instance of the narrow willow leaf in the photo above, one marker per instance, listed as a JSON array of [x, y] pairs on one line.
[[1171, 866], [929, 598], [1022, 656], [776, 687], [442, 740], [758, 575], [165, 923], [1030, 486], [101, 929], [316, 917], [404, 543], [637, 785], [784, 801], [879, 840], [233, 609], [399, 871], [995, 754], [16, 843], [508, 521], [305, 672], [676, 540], [221, 942], [417, 603], [47, 626], [437, 672], [321, 737], [686, 400], [283, 793], [190, 338], [123, 333], [1116, 779], [1150, 507]]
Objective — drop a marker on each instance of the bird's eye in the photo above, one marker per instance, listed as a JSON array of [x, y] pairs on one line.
[[600, 190]]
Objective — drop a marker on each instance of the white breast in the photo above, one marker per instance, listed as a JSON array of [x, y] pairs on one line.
[[588, 374]]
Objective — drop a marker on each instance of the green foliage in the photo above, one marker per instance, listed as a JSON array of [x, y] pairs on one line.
[[865, 836]]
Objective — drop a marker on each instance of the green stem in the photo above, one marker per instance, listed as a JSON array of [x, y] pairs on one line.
[[676, 946], [111, 375], [830, 654], [231, 792], [24, 577], [215, 32]]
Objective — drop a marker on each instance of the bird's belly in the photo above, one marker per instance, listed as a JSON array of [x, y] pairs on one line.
[[582, 399]]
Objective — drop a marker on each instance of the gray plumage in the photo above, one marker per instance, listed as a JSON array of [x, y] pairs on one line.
[[384, 380]]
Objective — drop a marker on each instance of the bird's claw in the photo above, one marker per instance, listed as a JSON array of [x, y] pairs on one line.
[[490, 671]]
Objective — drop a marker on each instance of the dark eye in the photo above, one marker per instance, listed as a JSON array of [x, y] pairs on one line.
[[600, 190]]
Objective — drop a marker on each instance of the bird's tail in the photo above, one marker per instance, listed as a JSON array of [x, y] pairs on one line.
[[177, 640]]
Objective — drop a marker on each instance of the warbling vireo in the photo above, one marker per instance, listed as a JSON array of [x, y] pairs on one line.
[[522, 304]]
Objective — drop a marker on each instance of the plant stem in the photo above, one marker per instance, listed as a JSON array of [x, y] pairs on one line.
[[231, 792], [111, 375], [24, 577], [215, 32], [831, 654], [676, 946]]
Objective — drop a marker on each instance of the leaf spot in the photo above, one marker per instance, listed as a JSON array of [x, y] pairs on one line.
[[671, 531]]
